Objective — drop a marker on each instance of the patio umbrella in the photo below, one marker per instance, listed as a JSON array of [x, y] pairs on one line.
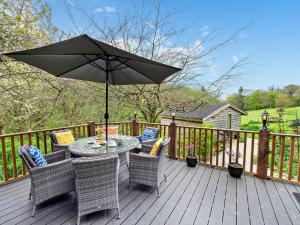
[[85, 58]]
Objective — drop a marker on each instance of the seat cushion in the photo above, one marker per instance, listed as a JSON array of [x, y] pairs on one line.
[[37, 156], [156, 147], [148, 134], [64, 138]]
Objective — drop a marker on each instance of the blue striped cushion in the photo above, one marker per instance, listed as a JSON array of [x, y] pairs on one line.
[[37, 156], [148, 134]]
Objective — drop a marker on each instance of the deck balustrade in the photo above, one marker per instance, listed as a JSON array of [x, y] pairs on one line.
[[266, 155]]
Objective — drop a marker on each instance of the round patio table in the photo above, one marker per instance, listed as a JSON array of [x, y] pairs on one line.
[[81, 147]]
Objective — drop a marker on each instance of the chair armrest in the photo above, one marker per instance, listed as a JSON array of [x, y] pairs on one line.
[[144, 158], [149, 142], [55, 156], [61, 146], [146, 148], [41, 175]]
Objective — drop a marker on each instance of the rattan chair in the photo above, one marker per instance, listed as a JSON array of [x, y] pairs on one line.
[[146, 169], [96, 181], [58, 147], [51, 180]]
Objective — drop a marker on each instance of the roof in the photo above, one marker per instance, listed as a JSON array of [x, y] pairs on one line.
[[204, 112]]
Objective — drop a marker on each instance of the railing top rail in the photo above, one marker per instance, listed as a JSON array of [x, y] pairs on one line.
[[103, 123], [220, 129], [286, 135], [154, 123], [43, 130]]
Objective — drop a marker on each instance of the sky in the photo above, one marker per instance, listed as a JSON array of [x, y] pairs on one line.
[[270, 43]]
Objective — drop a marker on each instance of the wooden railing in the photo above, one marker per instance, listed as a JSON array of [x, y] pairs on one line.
[[218, 147], [284, 157], [11, 166], [213, 147]]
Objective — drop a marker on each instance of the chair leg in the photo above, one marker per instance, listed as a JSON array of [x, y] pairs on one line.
[[165, 177], [158, 194], [33, 211], [118, 214], [78, 220], [29, 194]]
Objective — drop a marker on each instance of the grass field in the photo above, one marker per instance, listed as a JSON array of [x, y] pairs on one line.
[[253, 120]]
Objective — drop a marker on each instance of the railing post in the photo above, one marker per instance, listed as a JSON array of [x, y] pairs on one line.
[[172, 135], [135, 126], [91, 128], [263, 149]]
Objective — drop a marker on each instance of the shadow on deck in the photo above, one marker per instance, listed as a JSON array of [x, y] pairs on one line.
[[200, 195]]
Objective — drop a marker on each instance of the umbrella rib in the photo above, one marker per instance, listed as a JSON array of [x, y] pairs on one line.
[[114, 68], [124, 67], [78, 67], [95, 43], [141, 73], [93, 63], [148, 61]]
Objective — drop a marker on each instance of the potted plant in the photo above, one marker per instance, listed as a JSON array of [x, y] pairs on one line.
[[191, 158], [235, 169]]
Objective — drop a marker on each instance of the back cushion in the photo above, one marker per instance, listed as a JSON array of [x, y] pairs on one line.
[[24, 151], [156, 147], [37, 156], [64, 138], [149, 134]]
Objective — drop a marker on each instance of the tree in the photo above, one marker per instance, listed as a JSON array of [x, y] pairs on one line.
[[27, 96], [237, 99], [154, 33], [291, 89], [297, 98], [283, 100]]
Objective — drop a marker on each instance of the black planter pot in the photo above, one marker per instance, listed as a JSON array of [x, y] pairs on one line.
[[191, 161], [235, 170]]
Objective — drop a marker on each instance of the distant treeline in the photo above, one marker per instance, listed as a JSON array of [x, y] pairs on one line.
[[261, 99]]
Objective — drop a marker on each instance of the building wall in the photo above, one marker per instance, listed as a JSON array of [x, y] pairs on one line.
[[220, 120]]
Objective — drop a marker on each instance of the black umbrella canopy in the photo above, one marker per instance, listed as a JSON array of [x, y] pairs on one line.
[[85, 58]]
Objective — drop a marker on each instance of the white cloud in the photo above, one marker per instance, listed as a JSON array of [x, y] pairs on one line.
[[107, 9], [235, 59], [205, 30]]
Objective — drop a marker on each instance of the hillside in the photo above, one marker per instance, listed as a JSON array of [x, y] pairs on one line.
[[253, 120]]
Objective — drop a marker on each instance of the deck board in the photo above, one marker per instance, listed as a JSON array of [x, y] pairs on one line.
[[265, 203], [254, 204], [279, 208], [200, 195], [216, 214], [243, 216], [208, 199], [179, 209], [230, 208]]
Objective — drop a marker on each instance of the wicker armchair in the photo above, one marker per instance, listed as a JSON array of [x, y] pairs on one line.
[[146, 169], [58, 147], [96, 181], [54, 179], [149, 141]]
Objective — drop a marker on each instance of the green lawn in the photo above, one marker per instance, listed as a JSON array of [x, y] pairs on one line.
[[253, 120]]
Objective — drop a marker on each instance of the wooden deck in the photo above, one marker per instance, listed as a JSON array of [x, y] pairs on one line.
[[200, 195]]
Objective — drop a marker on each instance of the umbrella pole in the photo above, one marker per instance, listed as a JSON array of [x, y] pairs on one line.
[[106, 104]]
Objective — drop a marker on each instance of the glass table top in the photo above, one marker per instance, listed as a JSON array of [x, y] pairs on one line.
[[87, 146]]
